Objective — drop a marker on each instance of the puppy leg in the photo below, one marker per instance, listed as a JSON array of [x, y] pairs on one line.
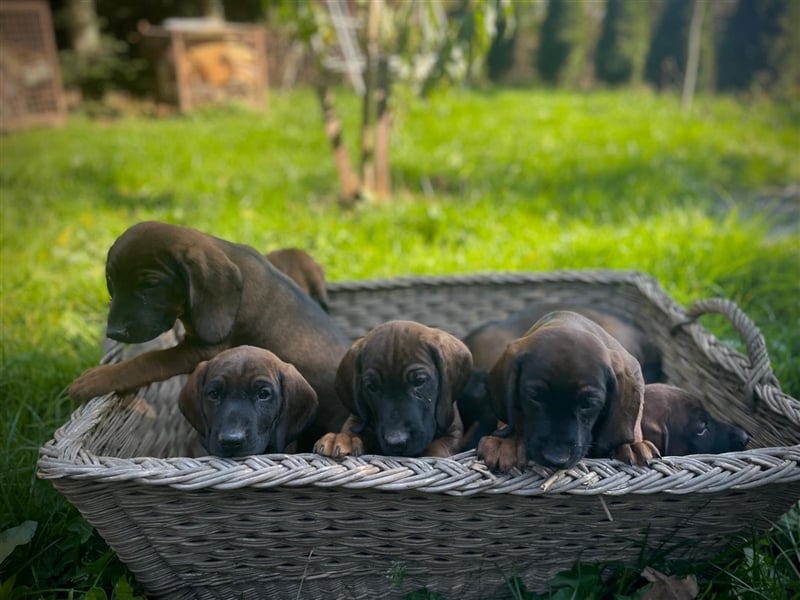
[[503, 453], [338, 445], [637, 453], [451, 442], [157, 365], [345, 443]]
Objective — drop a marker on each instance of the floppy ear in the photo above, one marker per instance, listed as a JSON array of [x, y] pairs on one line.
[[621, 422], [502, 383], [348, 383], [215, 291], [191, 403], [298, 409], [453, 361]]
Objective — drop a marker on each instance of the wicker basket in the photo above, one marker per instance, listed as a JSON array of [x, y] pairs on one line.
[[288, 526]]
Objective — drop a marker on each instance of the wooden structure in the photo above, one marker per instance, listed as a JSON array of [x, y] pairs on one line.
[[31, 92], [204, 61]]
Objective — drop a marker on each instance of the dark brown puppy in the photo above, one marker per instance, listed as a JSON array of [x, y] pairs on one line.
[[400, 383], [304, 270], [225, 295], [488, 341], [566, 390], [246, 400], [676, 422]]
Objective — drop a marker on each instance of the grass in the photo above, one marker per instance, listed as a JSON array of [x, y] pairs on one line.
[[501, 180]]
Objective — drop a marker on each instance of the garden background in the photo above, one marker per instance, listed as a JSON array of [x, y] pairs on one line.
[[527, 161]]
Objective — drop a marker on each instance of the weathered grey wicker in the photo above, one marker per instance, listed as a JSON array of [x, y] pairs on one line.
[[288, 526]]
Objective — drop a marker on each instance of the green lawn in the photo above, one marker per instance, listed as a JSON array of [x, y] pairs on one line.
[[497, 181]]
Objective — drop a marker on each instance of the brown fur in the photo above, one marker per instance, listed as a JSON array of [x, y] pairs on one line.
[[400, 383], [225, 295], [304, 270], [676, 422]]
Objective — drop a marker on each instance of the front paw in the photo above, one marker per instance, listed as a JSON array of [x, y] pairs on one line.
[[93, 382], [637, 453], [337, 445], [502, 453]]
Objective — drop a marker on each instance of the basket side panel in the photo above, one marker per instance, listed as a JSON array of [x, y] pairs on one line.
[[318, 542]]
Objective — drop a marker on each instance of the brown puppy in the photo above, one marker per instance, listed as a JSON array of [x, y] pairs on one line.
[[225, 295], [676, 422], [246, 400], [304, 270], [566, 390], [400, 383], [488, 341]]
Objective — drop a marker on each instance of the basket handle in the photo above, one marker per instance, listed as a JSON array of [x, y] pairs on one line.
[[760, 367]]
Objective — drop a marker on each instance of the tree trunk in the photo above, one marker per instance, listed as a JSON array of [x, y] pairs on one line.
[[349, 185], [369, 101], [693, 56], [383, 180], [84, 27]]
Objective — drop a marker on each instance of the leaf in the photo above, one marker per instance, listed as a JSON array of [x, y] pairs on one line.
[[16, 536], [96, 593]]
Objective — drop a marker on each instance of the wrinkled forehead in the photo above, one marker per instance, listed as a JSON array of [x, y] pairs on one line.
[[393, 349], [566, 358], [143, 249], [245, 363]]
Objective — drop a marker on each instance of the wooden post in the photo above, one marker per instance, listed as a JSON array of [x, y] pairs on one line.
[[369, 109]]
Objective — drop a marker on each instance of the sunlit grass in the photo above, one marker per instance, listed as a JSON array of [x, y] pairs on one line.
[[501, 181]]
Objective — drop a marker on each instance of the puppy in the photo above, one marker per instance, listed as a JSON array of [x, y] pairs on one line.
[[225, 295], [676, 422], [488, 341], [246, 400], [566, 390], [304, 270], [400, 382]]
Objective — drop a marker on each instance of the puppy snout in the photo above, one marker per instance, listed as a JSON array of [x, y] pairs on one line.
[[117, 332], [231, 441], [559, 456], [396, 439], [739, 438]]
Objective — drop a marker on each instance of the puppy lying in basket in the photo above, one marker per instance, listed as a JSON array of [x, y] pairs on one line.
[[225, 295], [400, 382], [246, 400], [676, 422], [566, 390]]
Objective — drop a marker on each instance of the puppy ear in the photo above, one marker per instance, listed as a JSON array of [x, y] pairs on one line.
[[502, 383], [190, 402], [348, 383], [215, 292], [298, 409], [622, 419], [453, 361]]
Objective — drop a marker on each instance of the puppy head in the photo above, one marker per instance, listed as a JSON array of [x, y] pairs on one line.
[[557, 386], [676, 422], [401, 380], [247, 401], [158, 272]]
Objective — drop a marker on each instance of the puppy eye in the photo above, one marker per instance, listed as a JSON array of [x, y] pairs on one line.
[[703, 430], [419, 379], [371, 386], [264, 393], [213, 394]]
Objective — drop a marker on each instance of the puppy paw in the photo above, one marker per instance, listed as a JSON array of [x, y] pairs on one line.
[[637, 453], [93, 382], [502, 453], [337, 445]]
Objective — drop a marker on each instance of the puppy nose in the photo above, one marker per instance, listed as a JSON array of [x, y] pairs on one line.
[[557, 456], [739, 438], [396, 439], [116, 332], [231, 440]]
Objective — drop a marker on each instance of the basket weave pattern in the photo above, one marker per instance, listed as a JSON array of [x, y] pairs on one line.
[[276, 526]]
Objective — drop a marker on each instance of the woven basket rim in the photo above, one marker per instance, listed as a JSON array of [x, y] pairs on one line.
[[64, 456]]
